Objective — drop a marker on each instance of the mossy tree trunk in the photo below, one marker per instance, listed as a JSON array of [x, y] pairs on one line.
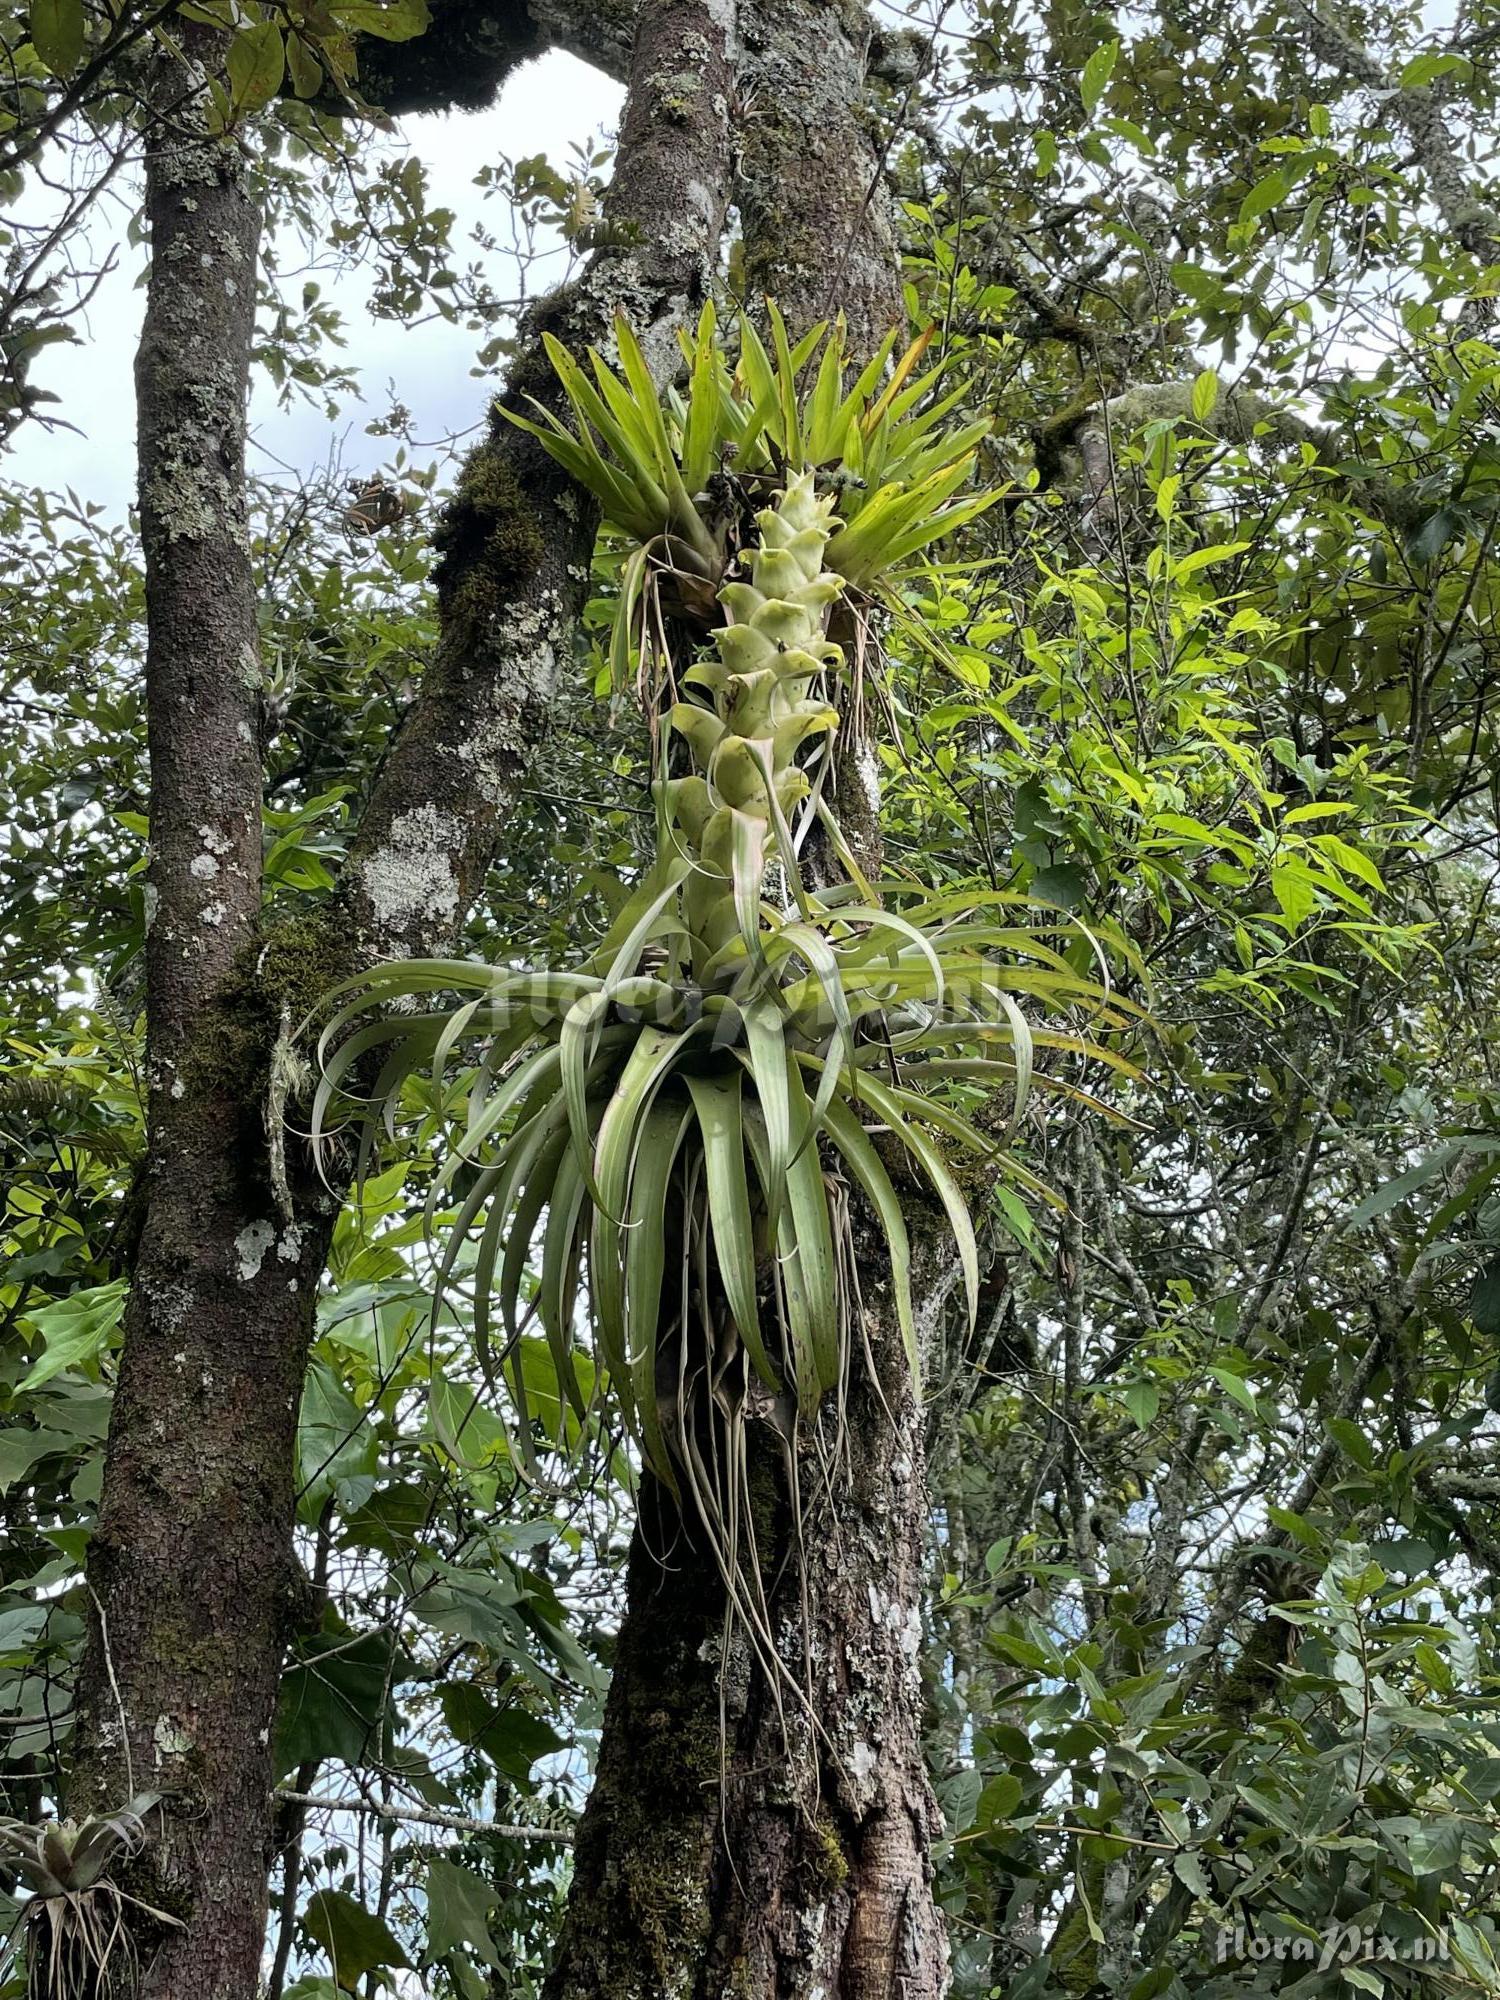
[[189, 1568], [767, 1836], [756, 1833], [192, 1572]]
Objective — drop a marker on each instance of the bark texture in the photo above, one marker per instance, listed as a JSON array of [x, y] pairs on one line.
[[768, 1837], [192, 1569], [517, 537], [189, 1566], [811, 187]]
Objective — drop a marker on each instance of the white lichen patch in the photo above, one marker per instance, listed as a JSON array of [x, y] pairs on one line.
[[203, 866], [289, 1244], [412, 873], [861, 1762], [170, 1738], [251, 1246]]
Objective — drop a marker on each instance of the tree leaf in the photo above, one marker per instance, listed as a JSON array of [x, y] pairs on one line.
[[74, 1330], [1096, 74], [57, 34], [458, 1907], [1352, 1440], [355, 1939], [1484, 1299], [1143, 1400], [1205, 395], [401, 21], [333, 1697], [256, 65], [1237, 1387]]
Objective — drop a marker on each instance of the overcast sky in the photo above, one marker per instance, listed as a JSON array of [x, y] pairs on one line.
[[544, 108]]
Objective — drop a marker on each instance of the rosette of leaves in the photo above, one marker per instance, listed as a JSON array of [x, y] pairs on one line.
[[75, 1941], [680, 1121], [680, 478]]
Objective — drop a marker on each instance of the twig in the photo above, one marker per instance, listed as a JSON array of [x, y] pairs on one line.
[[454, 1822]]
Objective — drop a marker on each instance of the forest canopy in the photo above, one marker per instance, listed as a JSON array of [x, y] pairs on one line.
[[748, 1099]]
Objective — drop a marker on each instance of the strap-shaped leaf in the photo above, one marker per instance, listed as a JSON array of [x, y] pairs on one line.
[[717, 1103], [815, 950], [765, 1040], [655, 1053], [536, 1179], [748, 860], [704, 424], [899, 375], [645, 1267], [621, 427], [900, 1111], [576, 1047], [852, 1141], [809, 1276], [537, 1072], [786, 386], [824, 437], [562, 1253], [684, 516]]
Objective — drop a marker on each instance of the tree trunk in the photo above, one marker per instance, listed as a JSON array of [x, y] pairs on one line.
[[811, 186], [192, 1570], [756, 1834], [770, 1838]]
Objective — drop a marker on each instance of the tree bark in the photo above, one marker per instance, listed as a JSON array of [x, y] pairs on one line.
[[811, 186], [189, 1568], [770, 1837], [192, 1570]]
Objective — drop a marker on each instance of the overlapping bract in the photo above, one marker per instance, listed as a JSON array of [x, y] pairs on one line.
[[681, 1119]]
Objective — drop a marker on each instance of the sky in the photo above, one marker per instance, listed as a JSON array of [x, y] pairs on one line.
[[544, 107]]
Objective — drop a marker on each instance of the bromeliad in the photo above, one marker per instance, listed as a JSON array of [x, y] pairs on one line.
[[678, 1122]]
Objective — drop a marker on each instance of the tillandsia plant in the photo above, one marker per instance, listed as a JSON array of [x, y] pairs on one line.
[[683, 1118], [77, 1944], [680, 479]]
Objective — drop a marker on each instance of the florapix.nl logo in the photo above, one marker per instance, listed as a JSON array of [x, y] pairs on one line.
[[1334, 1945]]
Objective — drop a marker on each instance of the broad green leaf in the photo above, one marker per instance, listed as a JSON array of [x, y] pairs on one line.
[[256, 65], [397, 21], [57, 33], [459, 1903], [354, 1938], [74, 1331], [1096, 74]]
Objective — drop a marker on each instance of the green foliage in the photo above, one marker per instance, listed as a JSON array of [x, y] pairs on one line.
[[663, 1105], [1211, 1637], [678, 479]]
